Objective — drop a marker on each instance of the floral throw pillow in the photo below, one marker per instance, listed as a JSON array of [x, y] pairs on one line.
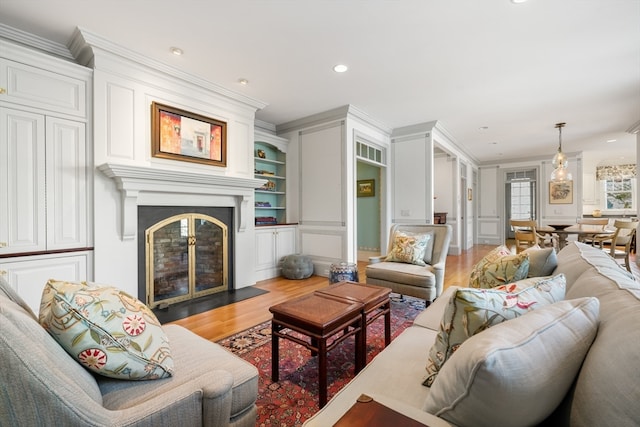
[[106, 330], [471, 311], [410, 248], [499, 267]]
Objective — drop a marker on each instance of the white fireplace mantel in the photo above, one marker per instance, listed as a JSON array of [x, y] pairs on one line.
[[136, 183]]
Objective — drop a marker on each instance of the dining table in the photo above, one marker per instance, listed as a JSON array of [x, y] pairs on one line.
[[564, 230]]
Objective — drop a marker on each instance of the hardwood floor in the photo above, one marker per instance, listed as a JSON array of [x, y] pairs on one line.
[[222, 322]]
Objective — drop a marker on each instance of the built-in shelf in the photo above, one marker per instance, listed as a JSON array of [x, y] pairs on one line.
[[270, 165]]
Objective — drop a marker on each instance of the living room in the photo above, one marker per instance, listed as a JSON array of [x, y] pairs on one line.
[[433, 161]]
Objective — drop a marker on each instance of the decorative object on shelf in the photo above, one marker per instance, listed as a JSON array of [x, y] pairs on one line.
[[180, 135], [268, 186], [263, 205], [261, 154], [596, 213], [266, 220], [366, 188], [342, 271], [263, 172], [560, 161], [560, 192]]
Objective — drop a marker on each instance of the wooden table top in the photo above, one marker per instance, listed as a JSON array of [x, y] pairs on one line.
[[368, 295]]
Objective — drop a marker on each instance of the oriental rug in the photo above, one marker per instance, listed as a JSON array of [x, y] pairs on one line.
[[292, 400]]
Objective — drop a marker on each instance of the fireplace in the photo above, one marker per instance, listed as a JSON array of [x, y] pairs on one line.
[[184, 253]]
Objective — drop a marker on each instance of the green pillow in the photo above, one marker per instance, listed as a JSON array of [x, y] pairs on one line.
[[106, 330], [499, 267], [471, 311]]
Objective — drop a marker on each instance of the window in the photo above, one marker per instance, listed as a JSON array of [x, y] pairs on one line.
[[619, 193]]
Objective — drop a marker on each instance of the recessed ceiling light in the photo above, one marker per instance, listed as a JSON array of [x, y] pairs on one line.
[[518, 1], [176, 51], [611, 140], [243, 82], [340, 68]]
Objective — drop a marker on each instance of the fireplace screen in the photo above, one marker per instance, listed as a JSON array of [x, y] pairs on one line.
[[186, 257]]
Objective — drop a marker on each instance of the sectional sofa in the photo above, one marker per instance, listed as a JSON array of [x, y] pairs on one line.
[[570, 363]]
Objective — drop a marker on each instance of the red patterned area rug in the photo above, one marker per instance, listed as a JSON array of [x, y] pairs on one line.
[[292, 400]]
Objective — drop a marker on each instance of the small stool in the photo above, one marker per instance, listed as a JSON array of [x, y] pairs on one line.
[[296, 266], [343, 272]]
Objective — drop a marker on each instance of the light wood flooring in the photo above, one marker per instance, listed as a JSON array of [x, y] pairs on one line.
[[222, 322]]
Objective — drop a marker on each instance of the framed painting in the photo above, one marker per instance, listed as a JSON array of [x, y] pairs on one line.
[[561, 193], [366, 188], [189, 137]]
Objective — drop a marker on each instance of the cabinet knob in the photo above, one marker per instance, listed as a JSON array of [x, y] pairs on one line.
[[3, 244], [2, 91]]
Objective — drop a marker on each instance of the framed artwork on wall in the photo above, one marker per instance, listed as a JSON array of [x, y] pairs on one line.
[[366, 188], [560, 193], [180, 135]]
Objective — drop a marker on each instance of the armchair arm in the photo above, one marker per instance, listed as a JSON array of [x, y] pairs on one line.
[[376, 259]]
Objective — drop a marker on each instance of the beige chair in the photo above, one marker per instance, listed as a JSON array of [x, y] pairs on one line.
[[593, 239], [409, 279], [525, 233], [620, 242]]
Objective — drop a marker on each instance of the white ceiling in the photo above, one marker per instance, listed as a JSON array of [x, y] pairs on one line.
[[516, 68]]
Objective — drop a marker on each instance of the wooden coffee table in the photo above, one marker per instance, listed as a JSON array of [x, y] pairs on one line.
[[375, 303], [326, 321]]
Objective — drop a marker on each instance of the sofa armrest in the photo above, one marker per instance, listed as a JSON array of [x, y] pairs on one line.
[[376, 259]]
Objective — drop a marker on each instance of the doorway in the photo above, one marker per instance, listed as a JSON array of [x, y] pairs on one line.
[[521, 197]]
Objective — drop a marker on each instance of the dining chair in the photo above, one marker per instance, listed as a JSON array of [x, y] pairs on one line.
[[525, 234], [591, 239], [620, 242]]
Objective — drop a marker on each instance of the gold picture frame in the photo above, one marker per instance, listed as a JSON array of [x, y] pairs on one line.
[[189, 137], [560, 193], [366, 188]]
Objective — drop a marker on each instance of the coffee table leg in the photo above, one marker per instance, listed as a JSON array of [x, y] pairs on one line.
[[275, 356], [387, 324], [322, 371], [362, 353]]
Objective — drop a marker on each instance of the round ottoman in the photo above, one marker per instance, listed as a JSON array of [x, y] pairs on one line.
[[343, 271], [296, 266]]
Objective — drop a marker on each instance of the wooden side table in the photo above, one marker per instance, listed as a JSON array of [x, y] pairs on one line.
[[375, 303], [326, 320]]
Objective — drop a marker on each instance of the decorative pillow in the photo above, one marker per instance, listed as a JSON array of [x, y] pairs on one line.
[[542, 261], [499, 267], [487, 380], [471, 311], [108, 331], [410, 248]]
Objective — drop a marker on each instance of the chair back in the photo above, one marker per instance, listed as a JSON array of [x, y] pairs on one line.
[[594, 221], [525, 233], [441, 238], [625, 231]]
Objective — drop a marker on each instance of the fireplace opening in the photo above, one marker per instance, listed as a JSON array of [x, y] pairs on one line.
[[184, 253]]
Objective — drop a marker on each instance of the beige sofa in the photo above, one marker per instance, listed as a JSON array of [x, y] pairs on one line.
[[43, 386], [603, 391]]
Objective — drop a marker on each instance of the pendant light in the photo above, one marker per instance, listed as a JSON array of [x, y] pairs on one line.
[[560, 161]]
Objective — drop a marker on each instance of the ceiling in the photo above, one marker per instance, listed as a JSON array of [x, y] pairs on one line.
[[516, 69]]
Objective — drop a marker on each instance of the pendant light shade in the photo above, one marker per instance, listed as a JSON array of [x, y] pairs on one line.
[[560, 162]]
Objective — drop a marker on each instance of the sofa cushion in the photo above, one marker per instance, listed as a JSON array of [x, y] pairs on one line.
[[471, 311], [108, 331], [611, 366], [499, 267], [9, 292], [516, 373], [542, 261], [411, 248]]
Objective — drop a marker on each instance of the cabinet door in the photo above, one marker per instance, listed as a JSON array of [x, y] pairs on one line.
[[28, 277], [22, 183], [265, 248], [285, 242], [66, 184]]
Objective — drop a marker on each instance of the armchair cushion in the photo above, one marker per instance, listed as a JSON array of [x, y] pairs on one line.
[[411, 248], [499, 267], [108, 331], [487, 380], [471, 311], [542, 261]]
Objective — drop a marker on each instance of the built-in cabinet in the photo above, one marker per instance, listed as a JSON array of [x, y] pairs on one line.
[[45, 183], [273, 243]]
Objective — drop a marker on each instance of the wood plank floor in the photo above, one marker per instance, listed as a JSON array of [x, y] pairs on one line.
[[222, 322]]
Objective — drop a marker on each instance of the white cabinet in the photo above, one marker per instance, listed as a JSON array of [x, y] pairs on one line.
[[28, 275], [44, 186], [273, 243]]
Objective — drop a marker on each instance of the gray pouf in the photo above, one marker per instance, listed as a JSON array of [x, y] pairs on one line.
[[296, 266]]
